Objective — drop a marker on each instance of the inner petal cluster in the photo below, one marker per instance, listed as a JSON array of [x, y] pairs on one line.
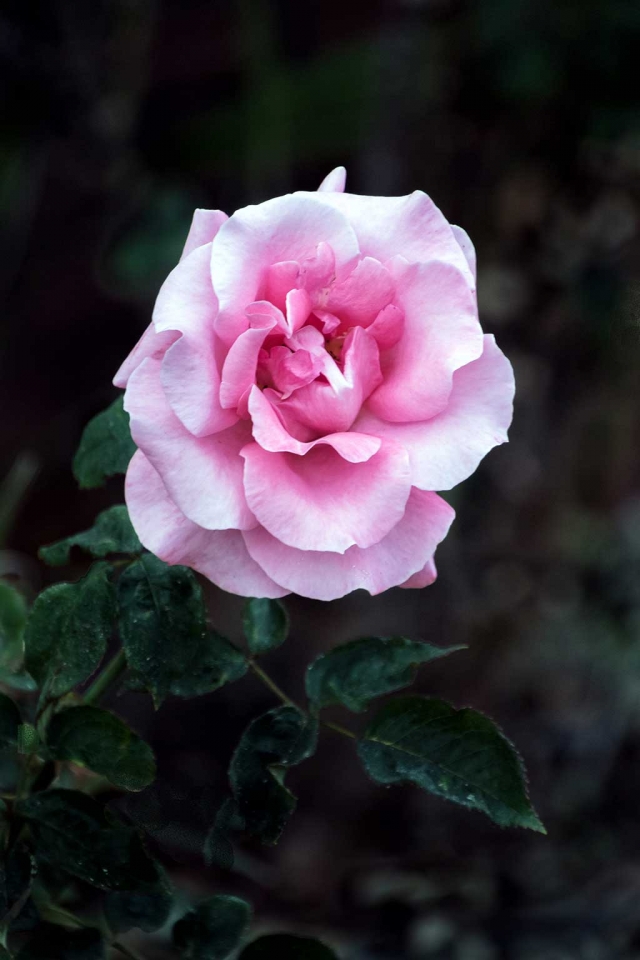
[[313, 342]]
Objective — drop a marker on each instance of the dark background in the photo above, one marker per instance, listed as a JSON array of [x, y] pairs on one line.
[[522, 121]]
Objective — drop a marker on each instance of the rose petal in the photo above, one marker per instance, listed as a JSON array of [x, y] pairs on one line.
[[203, 475], [190, 376], [448, 448], [321, 501], [204, 226], [362, 295], [410, 226], [332, 407], [239, 370], [441, 333], [423, 578], [150, 344], [334, 181], [220, 555], [273, 436], [326, 576], [255, 238], [464, 242]]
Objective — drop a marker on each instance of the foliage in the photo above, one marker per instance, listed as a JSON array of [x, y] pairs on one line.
[[57, 824]]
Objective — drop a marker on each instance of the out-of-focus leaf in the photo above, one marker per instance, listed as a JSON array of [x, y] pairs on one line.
[[213, 929], [73, 833], [13, 617], [9, 721], [285, 946], [105, 447], [111, 533], [164, 633], [457, 754], [271, 743], [103, 742], [355, 673], [147, 906], [266, 624], [67, 630], [218, 848]]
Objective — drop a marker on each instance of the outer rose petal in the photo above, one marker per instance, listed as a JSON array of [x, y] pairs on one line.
[[423, 578], [190, 376], [150, 344], [203, 475], [467, 247], [448, 448], [220, 555], [256, 237], [327, 576], [204, 226], [441, 333], [321, 501], [334, 182], [386, 227]]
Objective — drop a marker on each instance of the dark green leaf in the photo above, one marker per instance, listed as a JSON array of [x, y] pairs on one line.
[[266, 624], [164, 633], [68, 629], [51, 942], [111, 533], [13, 617], [28, 739], [284, 946], [105, 447], [218, 848], [73, 833], [9, 721], [103, 742], [271, 743], [355, 673], [16, 870], [213, 929], [457, 754], [147, 906]]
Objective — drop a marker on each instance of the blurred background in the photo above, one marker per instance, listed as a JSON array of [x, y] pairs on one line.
[[521, 118]]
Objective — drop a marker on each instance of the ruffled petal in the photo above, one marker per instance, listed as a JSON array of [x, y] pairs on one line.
[[326, 576], [190, 375], [410, 226], [204, 226], [464, 242], [150, 344], [334, 182], [441, 333], [239, 369], [321, 501], [220, 555], [326, 408], [362, 295], [203, 475], [272, 435], [257, 237], [447, 449]]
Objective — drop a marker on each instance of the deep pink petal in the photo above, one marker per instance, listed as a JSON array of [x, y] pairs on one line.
[[203, 475], [255, 238], [220, 555], [190, 375], [150, 344], [272, 435], [411, 227], [320, 501], [332, 407], [388, 327], [441, 333], [204, 226], [392, 561], [447, 449], [334, 181]]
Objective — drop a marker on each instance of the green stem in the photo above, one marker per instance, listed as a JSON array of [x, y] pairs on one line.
[[273, 686], [113, 670]]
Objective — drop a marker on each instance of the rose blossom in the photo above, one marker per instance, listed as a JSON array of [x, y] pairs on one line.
[[314, 370]]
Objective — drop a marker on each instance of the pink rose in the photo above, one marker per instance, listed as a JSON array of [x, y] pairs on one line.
[[315, 368]]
